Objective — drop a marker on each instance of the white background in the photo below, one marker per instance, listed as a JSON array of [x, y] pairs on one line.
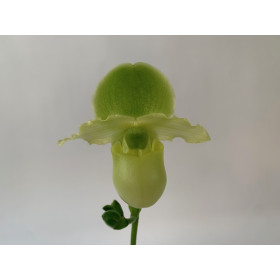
[[225, 191]]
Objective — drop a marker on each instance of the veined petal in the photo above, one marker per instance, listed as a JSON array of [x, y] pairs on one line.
[[164, 128], [102, 131]]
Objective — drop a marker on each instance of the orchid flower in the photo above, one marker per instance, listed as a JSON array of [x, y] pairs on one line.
[[134, 106]]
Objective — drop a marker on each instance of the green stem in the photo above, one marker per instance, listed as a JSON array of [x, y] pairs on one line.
[[134, 227]]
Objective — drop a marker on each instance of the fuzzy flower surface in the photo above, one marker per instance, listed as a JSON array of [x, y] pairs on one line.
[[134, 107]]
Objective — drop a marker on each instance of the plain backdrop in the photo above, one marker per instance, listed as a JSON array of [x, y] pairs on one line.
[[225, 191]]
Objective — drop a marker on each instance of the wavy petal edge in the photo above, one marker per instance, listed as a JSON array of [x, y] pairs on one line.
[[158, 126]]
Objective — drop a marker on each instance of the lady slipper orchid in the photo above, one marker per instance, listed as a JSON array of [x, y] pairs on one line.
[[133, 105]]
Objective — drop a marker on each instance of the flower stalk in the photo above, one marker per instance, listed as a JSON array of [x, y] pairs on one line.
[[134, 227]]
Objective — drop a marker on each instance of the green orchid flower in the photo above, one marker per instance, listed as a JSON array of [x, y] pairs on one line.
[[134, 106]]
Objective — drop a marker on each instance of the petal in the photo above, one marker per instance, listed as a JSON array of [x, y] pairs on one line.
[[102, 131], [164, 128]]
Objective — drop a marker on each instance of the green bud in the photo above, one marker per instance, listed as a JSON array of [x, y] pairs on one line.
[[114, 220], [114, 216], [139, 175]]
